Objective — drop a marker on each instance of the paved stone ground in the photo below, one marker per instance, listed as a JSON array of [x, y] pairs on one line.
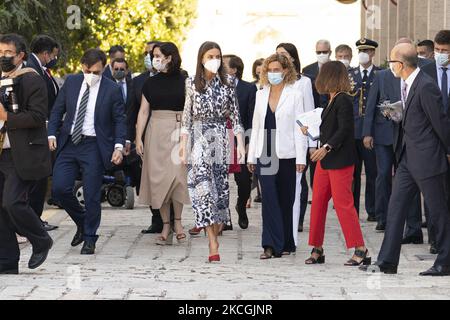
[[128, 265]]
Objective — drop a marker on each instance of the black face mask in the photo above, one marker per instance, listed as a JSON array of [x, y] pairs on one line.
[[52, 64], [6, 64], [119, 74]]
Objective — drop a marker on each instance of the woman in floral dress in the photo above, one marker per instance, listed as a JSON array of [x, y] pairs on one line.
[[210, 101]]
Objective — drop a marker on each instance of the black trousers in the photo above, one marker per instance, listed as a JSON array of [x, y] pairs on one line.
[[37, 196], [404, 188], [244, 183], [16, 214]]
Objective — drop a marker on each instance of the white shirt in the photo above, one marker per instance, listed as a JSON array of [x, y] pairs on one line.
[[409, 82], [369, 70], [6, 143], [88, 126]]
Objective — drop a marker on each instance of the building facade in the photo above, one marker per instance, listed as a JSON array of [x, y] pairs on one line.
[[385, 21]]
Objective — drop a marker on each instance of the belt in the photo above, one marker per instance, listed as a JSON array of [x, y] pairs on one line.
[[83, 137]]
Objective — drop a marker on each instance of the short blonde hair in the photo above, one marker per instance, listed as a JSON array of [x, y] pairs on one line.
[[286, 64]]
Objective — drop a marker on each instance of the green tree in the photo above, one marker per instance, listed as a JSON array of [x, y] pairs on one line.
[[103, 23]]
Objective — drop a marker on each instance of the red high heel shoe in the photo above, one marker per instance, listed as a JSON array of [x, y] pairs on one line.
[[214, 258], [196, 231]]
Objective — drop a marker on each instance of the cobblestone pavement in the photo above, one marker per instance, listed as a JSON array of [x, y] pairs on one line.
[[128, 265]]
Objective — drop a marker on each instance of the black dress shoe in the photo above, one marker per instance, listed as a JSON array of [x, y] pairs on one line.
[[243, 218], [78, 238], [380, 268], [380, 227], [413, 240], [372, 218], [154, 228], [88, 248], [48, 227], [38, 258], [437, 271], [9, 269], [433, 249]]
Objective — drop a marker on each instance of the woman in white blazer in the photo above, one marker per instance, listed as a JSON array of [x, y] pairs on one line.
[[304, 85], [277, 151]]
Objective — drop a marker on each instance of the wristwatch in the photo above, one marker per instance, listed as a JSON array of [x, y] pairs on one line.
[[328, 147]]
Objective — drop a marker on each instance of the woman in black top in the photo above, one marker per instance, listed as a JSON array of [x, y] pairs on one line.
[[164, 180], [335, 165]]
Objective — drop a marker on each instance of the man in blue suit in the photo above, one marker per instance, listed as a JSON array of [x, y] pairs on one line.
[[362, 78], [89, 139], [246, 94]]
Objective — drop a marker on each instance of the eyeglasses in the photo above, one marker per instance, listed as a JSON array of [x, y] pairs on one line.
[[394, 61]]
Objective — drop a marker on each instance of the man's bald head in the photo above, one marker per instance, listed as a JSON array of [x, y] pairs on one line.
[[404, 40], [407, 54]]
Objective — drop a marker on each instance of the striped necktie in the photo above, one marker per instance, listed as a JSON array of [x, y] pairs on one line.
[[78, 129]]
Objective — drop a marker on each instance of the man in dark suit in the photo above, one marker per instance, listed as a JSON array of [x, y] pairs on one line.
[[44, 56], [115, 52], [24, 156], [362, 78], [246, 94], [89, 139], [323, 52], [439, 70], [423, 145], [379, 134]]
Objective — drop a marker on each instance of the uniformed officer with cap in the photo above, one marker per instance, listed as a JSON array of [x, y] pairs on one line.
[[362, 78]]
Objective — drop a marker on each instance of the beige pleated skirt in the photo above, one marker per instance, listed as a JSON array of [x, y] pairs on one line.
[[163, 178]]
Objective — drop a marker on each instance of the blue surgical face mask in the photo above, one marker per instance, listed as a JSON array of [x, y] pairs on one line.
[[442, 59], [275, 78]]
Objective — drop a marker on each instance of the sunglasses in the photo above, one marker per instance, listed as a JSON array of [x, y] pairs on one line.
[[322, 52]]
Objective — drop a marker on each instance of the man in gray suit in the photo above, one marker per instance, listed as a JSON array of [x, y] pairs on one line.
[[423, 145]]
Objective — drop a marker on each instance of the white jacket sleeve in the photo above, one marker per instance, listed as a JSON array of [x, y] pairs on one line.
[[308, 100], [251, 158], [301, 141]]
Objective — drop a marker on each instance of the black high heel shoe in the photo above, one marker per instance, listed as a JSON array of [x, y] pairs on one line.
[[366, 261], [319, 260]]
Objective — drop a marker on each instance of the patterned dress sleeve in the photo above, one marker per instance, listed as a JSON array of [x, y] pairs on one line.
[[234, 112], [186, 124]]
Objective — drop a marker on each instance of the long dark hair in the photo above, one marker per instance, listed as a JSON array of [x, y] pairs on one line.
[[170, 49], [199, 80], [292, 49]]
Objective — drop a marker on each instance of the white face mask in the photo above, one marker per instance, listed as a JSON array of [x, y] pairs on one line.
[[91, 79], [364, 58], [391, 66], [345, 62], [323, 58], [159, 65], [212, 65], [442, 59]]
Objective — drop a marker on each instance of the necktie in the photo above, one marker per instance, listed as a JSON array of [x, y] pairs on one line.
[[365, 77], [78, 129], [444, 89], [404, 93], [124, 95]]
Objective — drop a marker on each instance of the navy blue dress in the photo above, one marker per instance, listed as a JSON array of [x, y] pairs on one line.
[[278, 181]]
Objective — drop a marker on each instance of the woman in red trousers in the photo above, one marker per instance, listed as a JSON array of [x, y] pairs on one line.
[[335, 165]]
